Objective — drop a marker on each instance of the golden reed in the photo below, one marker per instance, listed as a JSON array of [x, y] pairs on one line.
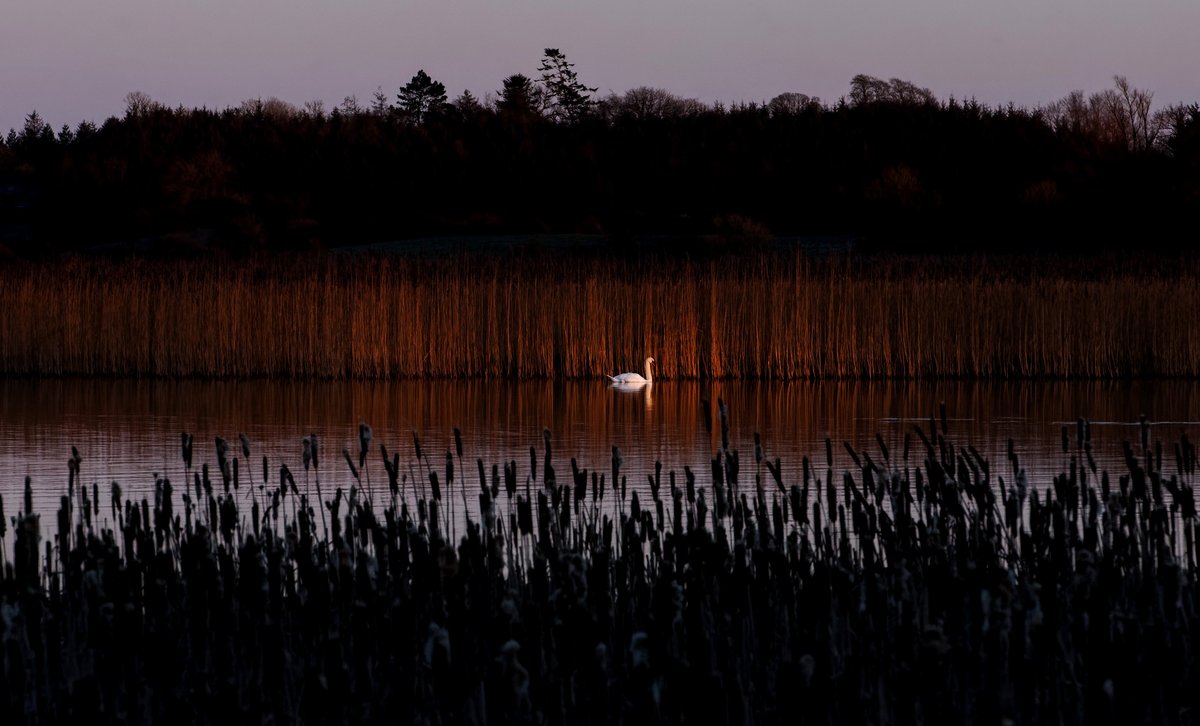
[[779, 317]]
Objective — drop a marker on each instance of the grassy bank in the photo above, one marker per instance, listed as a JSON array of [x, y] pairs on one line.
[[924, 585], [556, 316]]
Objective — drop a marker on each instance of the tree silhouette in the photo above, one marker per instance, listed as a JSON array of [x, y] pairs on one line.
[[792, 103], [422, 97], [467, 105], [866, 89], [519, 96], [379, 104], [569, 99], [266, 173]]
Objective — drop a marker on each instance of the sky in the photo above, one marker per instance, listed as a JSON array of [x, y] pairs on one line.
[[77, 59]]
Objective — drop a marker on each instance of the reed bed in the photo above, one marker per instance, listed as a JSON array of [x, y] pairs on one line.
[[925, 584], [774, 317]]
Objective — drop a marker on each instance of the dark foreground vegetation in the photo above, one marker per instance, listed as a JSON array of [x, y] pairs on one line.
[[889, 165], [924, 585], [775, 315]]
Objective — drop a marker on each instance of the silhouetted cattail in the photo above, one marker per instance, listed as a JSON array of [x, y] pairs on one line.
[[365, 435], [186, 449], [350, 462]]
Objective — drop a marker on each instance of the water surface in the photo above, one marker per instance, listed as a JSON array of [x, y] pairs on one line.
[[128, 431]]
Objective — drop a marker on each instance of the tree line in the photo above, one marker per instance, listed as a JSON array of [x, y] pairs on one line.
[[888, 164]]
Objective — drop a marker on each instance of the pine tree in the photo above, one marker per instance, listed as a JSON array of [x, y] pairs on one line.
[[422, 96], [519, 96], [569, 99], [467, 105]]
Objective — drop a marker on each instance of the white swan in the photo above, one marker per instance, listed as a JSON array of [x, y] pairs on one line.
[[634, 379]]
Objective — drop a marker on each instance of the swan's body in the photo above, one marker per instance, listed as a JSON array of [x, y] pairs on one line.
[[634, 379]]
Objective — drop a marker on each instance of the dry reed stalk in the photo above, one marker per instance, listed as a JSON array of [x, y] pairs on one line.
[[378, 317]]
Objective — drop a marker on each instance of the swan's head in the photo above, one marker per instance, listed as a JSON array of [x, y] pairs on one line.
[[649, 361]]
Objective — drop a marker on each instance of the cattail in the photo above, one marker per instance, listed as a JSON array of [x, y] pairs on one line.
[[186, 447], [245, 445], [364, 443], [350, 462]]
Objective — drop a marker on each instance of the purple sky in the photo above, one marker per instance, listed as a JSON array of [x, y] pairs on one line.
[[76, 59]]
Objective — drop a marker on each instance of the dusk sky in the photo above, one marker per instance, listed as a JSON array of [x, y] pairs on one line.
[[76, 59]]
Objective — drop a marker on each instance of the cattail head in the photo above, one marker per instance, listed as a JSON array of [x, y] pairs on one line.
[[245, 445], [364, 442], [350, 462], [185, 440], [457, 442], [306, 446]]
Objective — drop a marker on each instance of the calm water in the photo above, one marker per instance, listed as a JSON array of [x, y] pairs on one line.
[[128, 431]]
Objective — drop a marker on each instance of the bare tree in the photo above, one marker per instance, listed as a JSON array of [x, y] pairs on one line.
[[271, 107], [1168, 120], [906, 92], [1136, 106], [140, 104], [1120, 116], [645, 102], [791, 103], [314, 109], [379, 102], [866, 89]]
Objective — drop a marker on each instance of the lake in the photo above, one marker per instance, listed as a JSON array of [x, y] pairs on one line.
[[128, 430]]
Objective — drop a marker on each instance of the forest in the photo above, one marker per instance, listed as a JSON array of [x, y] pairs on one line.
[[887, 167]]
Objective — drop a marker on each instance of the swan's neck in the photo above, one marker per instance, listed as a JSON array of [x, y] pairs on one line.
[[649, 376]]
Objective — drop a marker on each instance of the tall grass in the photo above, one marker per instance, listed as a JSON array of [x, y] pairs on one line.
[[769, 317]]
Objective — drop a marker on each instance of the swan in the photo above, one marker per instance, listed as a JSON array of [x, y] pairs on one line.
[[634, 379]]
